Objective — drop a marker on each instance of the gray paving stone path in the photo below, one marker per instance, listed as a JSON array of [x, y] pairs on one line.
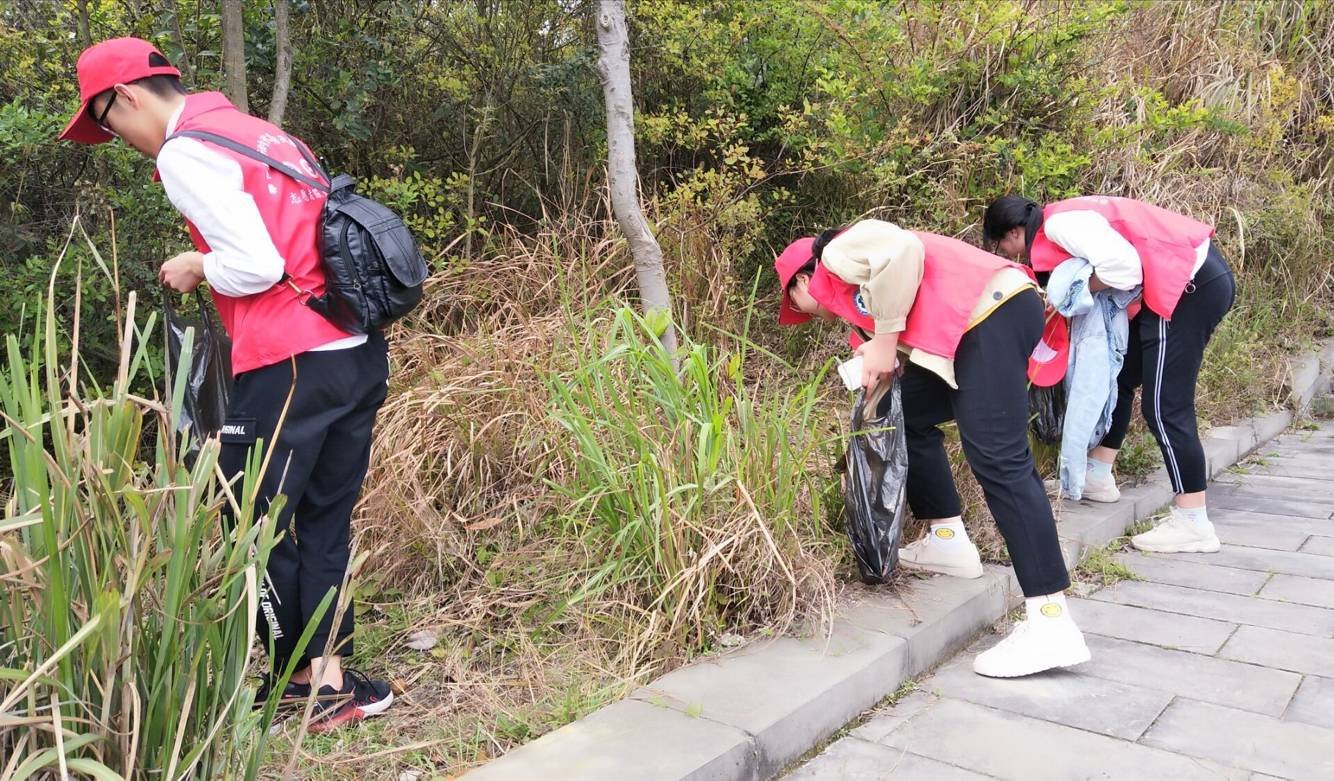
[[1214, 666]]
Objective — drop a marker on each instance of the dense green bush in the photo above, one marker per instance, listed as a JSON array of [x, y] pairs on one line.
[[757, 121]]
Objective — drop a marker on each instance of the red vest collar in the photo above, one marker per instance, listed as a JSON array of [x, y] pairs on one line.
[[202, 103], [195, 105]]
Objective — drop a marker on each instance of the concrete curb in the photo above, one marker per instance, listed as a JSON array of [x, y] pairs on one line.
[[747, 714]]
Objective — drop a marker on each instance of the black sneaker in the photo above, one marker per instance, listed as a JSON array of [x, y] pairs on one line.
[[293, 694], [359, 698]]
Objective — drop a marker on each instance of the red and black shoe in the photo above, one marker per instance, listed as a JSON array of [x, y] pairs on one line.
[[359, 698], [293, 694]]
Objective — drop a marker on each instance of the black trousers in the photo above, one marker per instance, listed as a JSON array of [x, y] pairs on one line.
[[1164, 357], [318, 464], [991, 409]]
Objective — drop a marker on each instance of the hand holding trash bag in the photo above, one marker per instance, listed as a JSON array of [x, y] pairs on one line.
[[208, 381], [879, 356], [184, 272], [876, 477]]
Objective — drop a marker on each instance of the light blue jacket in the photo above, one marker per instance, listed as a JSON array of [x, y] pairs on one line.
[[1099, 329]]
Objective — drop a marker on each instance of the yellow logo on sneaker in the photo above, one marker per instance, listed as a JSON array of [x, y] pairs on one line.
[[1051, 610], [945, 534]]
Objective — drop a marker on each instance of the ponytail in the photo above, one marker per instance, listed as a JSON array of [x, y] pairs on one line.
[[822, 241]]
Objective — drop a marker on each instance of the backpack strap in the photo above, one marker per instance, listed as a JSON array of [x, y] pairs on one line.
[[280, 167], [255, 154]]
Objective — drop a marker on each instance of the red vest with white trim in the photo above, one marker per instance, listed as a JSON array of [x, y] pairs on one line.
[[1165, 241], [954, 275], [272, 326]]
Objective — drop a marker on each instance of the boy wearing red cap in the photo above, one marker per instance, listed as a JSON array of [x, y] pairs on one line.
[[255, 231]]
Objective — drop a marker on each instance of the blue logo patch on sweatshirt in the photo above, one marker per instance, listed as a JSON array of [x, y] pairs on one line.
[[859, 301]]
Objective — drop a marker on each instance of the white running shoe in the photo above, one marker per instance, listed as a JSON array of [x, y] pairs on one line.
[[1101, 489], [1178, 535], [1095, 490], [1035, 644], [946, 555]]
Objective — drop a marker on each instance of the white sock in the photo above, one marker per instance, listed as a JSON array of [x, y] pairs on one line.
[[1099, 469], [1045, 608], [1194, 515], [949, 531]]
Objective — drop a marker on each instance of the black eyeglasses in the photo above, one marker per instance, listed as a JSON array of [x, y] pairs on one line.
[[102, 120]]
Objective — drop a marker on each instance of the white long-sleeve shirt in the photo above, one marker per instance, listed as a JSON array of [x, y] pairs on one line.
[[208, 189], [1088, 235]]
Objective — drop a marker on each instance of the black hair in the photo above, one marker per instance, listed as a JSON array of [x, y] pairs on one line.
[[163, 85], [1007, 213], [808, 269], [822, 241]]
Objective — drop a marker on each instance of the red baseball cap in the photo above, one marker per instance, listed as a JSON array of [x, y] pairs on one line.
[[1047, 364], [787, 264], [103, 66]]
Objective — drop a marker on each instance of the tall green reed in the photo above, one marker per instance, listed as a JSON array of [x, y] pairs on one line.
[[685, 484], [128, 606]]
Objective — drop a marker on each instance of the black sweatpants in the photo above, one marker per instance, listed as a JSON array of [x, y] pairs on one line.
[[318, 464], [991, 409], [1164, 357]]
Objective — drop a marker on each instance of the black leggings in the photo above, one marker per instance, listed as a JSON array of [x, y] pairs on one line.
[[1165, 356], [991, 409]]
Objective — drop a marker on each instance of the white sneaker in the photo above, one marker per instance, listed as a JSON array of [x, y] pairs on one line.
[[1178, 535], [1094, 490], [955, 557], [1101, 489], [1035, 644]]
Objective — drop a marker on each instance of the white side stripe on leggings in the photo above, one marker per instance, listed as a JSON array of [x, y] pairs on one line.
[[1158, 408]]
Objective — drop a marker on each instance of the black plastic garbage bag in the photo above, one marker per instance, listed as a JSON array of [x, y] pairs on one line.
[[875, 480], [208, 384], [1046, 410]]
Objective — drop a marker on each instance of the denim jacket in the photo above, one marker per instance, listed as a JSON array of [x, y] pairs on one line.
[[1099, 329]]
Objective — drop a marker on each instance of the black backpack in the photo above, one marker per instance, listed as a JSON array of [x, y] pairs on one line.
[[373, 270]]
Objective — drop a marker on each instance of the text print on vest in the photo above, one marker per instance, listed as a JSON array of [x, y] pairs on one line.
[[265, 142]]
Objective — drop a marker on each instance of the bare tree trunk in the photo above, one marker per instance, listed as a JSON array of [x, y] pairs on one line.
[[233, 53], [622, 177], [282, 68], [81, 20], [182, 62], [474, 154]]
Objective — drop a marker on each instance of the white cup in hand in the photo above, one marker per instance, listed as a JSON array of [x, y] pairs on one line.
[[850, 372]]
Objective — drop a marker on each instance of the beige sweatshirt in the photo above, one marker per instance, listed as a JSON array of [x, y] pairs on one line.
[[887, 262]]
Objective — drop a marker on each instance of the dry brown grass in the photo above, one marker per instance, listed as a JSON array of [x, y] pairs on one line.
[[458, 511]]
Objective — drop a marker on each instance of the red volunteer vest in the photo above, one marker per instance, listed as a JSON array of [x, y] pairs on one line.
[[269, 327], [1165, 241], [954, 276]]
